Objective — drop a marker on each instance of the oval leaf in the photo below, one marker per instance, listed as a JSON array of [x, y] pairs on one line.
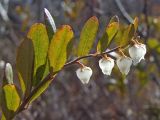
[[24, 64], [39, 37], [127, 35], [109, 35], [87, 36], [10, 101], [58, 47]]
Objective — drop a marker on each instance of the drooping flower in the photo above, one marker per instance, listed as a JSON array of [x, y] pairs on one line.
[[106, 65], [84, 74], [124, 63], [137, 52]]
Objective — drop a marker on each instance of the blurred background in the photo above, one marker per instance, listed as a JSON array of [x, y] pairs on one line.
[[105, 98]]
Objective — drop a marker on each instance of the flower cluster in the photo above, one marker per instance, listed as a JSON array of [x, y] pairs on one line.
[[137, 52]]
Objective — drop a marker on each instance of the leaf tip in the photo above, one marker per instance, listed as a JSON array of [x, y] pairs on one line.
[[68, 27], [94, 18]]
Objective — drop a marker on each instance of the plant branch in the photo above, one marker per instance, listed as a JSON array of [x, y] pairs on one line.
[[27, 100], [51, 76], [91, 55]]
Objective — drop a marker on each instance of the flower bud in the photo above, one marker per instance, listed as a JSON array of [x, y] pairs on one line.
[[137, 53], [124, 63], [9, 73], [106, 65], [84, 74]]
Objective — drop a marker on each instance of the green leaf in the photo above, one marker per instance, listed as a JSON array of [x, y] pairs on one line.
[[43, 70], [10, 101], [108, 36], [39, 37], [50, 24], [40, 91], [87, 36], [70, 47], [24, 64], [3, 117], [42, 87], [127, 35], [58, 47]]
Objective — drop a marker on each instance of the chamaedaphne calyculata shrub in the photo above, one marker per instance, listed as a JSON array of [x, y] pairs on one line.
[[45, 52]]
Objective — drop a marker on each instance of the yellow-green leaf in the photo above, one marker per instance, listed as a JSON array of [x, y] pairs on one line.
[[39, 37], [108, 35], [127, 35], [58, 47], [40, 91], [24, 64], [10, 101], [70, 47], [44, 85], [3, 117], [135, 22], [87, 36]]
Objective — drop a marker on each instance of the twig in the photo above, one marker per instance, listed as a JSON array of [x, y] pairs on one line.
[[27, 100], [51, 76], [90, 55]]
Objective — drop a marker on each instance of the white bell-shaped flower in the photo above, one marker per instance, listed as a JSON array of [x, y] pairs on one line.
[[106, 65], [137, 52], [84, 74], [124, 63]]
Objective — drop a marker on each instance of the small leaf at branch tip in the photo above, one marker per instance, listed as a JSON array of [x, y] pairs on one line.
[[9, 73], [50, 18]]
